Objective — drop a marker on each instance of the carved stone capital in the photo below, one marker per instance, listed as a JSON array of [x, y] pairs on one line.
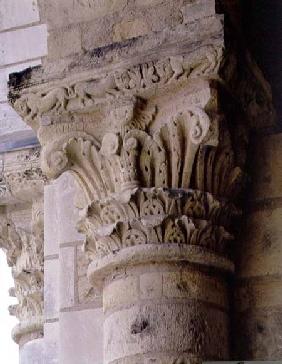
[[24, 249], [158, 145], [22, 185], [135, 138]]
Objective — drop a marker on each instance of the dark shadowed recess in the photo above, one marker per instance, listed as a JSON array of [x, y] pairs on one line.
[[263, 29]]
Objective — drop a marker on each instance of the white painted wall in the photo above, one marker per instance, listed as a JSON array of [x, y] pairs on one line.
[[17, 13], [23, 42]]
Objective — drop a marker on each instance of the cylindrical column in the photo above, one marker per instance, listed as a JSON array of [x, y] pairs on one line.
[[163, 313], [165, 302], [161, 309]]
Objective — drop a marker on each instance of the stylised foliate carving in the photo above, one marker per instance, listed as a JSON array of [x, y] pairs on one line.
[[25, 256], [23, 245], [10, 241], [132, 157], [125, 177], [145, 144], [158, 149], [216, 172], [157, 216]]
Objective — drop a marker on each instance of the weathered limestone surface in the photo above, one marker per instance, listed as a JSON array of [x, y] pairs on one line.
[[141, 321], [154, 128], [22, 240]]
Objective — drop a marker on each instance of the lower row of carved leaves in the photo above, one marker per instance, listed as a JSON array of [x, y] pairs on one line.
[[157, 216]]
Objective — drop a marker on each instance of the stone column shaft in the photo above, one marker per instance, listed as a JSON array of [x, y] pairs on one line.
[[165, 313]]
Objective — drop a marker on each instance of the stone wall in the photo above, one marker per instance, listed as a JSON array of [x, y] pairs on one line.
[[258, 301], [79, 26], [83, 25]]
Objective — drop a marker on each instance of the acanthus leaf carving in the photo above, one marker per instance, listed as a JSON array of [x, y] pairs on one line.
[[132, 158], [156, 192], [190, 147], [24, 251], [157, 216], [183, 153]]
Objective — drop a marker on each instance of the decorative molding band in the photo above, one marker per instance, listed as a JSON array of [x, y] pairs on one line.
[[142, 68]]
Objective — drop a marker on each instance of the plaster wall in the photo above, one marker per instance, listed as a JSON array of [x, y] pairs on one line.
[[23, 43]]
